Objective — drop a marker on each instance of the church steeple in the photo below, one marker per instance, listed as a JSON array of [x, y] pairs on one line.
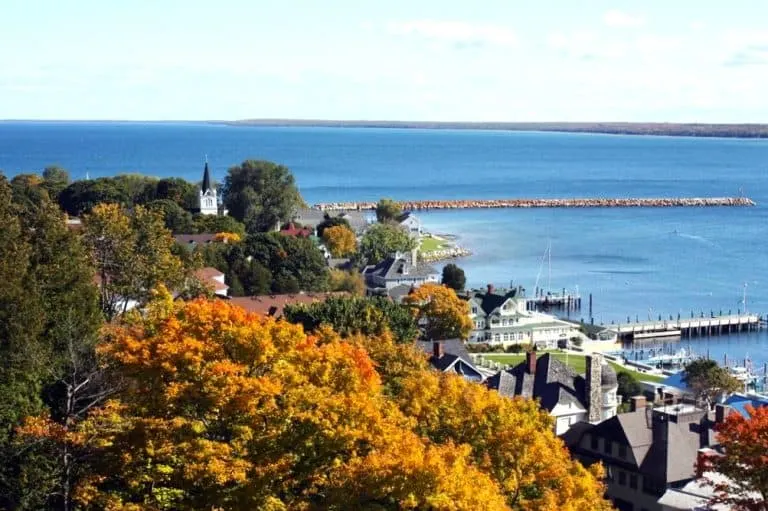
[[206, 178], [208, 202]]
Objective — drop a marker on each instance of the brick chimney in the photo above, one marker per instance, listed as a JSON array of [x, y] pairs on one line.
[[721, 413], [437, 349], [636, 403], [530, 362], [491, 289], [594, 389]]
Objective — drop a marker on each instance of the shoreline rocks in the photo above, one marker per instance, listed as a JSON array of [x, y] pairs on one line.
[[444, 254], [669, 202]]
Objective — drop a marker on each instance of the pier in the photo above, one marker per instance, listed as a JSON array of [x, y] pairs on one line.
[[662, 202], [688, 327], [546, 301]]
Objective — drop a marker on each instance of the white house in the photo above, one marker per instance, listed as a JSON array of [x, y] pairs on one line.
[[213, 279], [410, 223], [503, 318], [399, 270]]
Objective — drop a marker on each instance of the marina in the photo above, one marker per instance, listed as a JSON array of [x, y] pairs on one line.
[[689, 327]]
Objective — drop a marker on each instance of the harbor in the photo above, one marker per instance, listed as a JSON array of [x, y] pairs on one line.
[[659, 202]]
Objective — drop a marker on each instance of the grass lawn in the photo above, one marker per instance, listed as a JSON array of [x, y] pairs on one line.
[[577, 362], [431, 244]]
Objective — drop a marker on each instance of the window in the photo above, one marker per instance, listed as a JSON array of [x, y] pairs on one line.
[[608, 447], [622, 451], [520, 336], [496, 337], [633, 481], [594, 443], [622, 478], [474, 310]]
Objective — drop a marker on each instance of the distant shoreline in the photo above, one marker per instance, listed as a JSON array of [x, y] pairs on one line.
[[607, 128]]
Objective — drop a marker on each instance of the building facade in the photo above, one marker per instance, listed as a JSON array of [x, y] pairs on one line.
[[501, 317], [398, 270]]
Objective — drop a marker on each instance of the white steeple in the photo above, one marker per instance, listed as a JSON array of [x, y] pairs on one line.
[[208, 201]]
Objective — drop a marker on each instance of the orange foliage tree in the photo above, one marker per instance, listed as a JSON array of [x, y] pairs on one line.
[[446, 315], [228, 410], [340, 240], [744, 462], [512, 440]]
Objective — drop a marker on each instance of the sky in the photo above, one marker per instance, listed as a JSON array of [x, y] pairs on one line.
[[447, 60]]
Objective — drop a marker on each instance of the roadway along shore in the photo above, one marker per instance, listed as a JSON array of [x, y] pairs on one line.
[[669, 202]]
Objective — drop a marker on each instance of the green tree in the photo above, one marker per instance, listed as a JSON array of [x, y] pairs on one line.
[[387, 210], [55, 180], [137, 188], [708, 380], [82, 196], [292, 261], [132, 254], [331, 221], [454, 277], [261, 194], [28, 192], [628, 385], [180, 191], [176, 219], [382, 240], [349, 315], [218, 223]]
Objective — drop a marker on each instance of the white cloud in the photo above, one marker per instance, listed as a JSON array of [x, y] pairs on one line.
[[620, 19], [747, 48], [584, 46], [456, 32]]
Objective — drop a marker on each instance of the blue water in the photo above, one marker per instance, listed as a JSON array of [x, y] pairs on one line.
[[635, 262]]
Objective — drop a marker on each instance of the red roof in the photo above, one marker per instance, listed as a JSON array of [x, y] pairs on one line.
[[206, 276], [273, 305], [301, 232]]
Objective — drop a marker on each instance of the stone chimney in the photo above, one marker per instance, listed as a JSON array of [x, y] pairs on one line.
[[721, 413], [491, 289], [636, 403], [530, 362], [437, 349], [415, 257], [594, 389]]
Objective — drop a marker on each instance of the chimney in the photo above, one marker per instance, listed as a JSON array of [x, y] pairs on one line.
[[491, 289], [636, 403], [414, 256], [530, 362], [594, 388], [721, 413], [437, 349]]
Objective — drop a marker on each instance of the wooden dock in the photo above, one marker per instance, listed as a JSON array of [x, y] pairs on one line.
[[688, 327], [599, 202]]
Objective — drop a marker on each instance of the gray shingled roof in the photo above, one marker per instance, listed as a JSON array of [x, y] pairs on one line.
[[396, 269], [490, 301], [455, 358], [552, 383]]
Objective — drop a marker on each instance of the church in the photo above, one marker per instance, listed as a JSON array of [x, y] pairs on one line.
[[209, 204]]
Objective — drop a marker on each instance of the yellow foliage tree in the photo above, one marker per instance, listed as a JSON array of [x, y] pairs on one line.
[[227, 237], [340, 240], [445, 314], [510, 439], [222, 409]]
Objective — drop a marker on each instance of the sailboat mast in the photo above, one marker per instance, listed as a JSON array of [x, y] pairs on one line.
[[549, 264]]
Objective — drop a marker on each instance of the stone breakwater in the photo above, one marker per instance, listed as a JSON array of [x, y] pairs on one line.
[[444, 254], [670, 202]]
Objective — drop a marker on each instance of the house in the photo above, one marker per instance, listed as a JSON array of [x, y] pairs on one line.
[[647, 451], [410, 223], [273, 305], [450, 356], [312, 217], [209, 204], [694, 496], [568, 397], [501, 317], [213, 279], [398, 270]]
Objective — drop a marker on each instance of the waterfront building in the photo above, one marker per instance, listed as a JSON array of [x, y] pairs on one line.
[[400, 270], [209, 204], [411, 223], [312, 217], [647, 451], [451, 356], [501, 317], [570, 398]]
